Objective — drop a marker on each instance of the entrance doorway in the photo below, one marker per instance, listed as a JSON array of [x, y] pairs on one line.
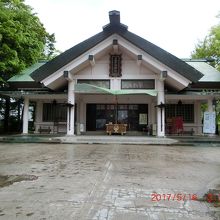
[[134, 115]]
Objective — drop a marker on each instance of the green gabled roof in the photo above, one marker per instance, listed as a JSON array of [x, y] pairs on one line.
[[115, 27], [24, 76], [210, 73]]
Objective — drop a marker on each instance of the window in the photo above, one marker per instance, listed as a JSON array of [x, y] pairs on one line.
[[184, 110], [100, 83], [115, 66], [138, 84], [54, 112]]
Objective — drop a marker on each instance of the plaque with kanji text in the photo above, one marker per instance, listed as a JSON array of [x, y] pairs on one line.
[[115, 65]]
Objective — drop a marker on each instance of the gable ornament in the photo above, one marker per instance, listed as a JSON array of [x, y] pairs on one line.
[[115, 61]]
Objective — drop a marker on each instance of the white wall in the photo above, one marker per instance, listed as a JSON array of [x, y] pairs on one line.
[[130, 70]]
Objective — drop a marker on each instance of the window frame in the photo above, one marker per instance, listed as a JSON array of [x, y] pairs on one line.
[[151, 81], [55, 110], [90, 81], [187, 111]]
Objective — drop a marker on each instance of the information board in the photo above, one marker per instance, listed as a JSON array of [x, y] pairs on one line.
[[142, 119], [209, 123]]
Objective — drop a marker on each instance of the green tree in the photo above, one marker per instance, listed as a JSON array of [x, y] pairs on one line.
[[23, 41], [23, 38], [210, 47]]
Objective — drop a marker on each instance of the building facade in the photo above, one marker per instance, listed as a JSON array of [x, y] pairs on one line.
[[116, 77]]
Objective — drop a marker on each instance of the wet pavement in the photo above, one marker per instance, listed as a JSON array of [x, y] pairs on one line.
[[108, 182]]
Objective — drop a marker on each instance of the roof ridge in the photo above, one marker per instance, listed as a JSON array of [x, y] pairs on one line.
[[113, 27], [158, 53]]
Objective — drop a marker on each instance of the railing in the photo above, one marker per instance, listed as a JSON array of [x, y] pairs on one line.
[[50, 127]]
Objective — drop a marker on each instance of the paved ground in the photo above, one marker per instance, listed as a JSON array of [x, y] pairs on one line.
[[88, 139], [107, 182]]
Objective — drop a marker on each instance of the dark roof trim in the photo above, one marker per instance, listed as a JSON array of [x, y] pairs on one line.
[[205, 85], [116, 27], [17, 85], [163, 56], [207, 60], [68, 56]]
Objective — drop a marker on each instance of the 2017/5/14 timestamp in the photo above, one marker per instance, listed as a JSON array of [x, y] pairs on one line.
[[156, 197]]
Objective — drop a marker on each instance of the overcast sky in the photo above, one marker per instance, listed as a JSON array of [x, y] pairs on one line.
[[174, 25]]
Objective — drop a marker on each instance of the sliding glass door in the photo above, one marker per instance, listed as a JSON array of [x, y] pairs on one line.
[[134, 115]]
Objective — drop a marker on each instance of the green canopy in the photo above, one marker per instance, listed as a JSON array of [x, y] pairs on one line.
[[88, 88]]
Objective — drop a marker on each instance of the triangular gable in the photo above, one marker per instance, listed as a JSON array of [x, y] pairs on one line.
[[115, 27]]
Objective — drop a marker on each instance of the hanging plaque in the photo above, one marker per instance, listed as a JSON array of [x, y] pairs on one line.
[[115, 65]]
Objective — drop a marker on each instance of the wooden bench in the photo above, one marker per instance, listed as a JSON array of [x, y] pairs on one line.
[[44, 130]]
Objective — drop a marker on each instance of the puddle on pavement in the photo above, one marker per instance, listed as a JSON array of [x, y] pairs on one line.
[[8, 180]]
